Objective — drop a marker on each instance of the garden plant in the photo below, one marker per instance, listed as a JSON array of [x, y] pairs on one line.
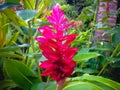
[[59, 45]]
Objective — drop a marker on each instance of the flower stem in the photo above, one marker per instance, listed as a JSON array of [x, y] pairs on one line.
[[33, 48], [60, 84], [94, 22]]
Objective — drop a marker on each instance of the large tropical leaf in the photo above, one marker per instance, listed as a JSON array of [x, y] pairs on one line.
[[27, 14], [91, 82], [7, 84], [110, 83], [81, 86], [20, 74], [11, 15]]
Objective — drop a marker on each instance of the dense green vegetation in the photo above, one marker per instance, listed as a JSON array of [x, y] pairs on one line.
[[98, 42]]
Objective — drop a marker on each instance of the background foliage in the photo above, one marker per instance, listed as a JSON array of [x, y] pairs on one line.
[[98, 64]]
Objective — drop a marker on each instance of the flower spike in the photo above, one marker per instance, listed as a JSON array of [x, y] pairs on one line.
[[56, 46]]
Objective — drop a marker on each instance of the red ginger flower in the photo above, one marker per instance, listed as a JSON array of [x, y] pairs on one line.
[[55, 46]]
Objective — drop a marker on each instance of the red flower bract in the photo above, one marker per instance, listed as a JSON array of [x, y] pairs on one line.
[[56, 46]]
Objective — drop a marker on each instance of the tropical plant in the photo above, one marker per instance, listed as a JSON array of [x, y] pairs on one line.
[[67, 58]]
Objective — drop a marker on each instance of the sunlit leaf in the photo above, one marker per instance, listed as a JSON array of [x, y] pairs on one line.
[[110, 83], [91, 82], [29, 4], [11, 15], [81, 86], [81, 57], [43, 5]]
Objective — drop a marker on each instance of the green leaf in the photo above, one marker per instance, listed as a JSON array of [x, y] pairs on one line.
[[27, 14], [113, 30], [84, 50], [13, 1], [90, 70], [86, 14], [104, 87], [77, 85], [25, 31], [104, 49], [52, 87], [29, 4], [12, 48], [43, 5], [8, 4], [91, 82], [7, 84], [81, 57], [116, 39], [39, 86], [104, 19], [110, 83], [11, 55], [11, 15], [20, 73]]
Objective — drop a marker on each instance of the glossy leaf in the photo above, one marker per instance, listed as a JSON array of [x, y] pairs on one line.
[[20, 73], [27, 14], [91, 82], [110, 83], [84, 50], [81, 57], [81, 86]]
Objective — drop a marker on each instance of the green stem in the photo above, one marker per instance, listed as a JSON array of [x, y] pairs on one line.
[[33, 48], [114, 52], [94, 21], [104, 67], [107, 63], [48, 79]]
